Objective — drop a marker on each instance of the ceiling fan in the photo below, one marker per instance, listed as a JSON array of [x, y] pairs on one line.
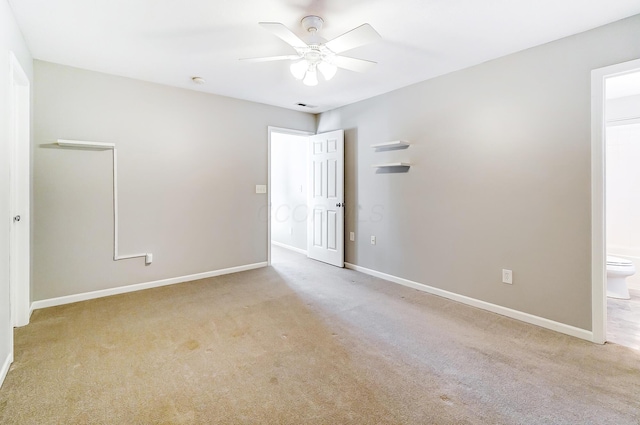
[[319, 54]]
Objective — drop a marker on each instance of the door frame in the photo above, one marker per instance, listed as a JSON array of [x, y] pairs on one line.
[[20, 192], [280, 130], [598, 211]]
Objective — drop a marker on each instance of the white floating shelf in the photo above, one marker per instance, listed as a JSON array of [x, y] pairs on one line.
[[83, 144], [392, 164], [394, 144]]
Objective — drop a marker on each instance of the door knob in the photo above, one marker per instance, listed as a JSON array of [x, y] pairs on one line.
[[16, 218], [340, 204]]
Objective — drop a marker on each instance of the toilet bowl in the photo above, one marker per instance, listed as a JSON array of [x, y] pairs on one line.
[[618, 270]]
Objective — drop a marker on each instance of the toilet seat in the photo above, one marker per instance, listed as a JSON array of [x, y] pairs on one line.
[[617, 261]]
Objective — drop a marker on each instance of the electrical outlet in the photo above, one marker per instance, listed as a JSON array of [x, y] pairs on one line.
[[352, 236], [507, 276], [373, 240], [261, 188]]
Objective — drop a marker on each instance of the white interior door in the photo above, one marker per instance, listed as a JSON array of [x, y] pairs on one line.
[[19, 145], [325, 231]]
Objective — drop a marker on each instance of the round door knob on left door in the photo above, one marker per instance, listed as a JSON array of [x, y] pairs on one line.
[[16, 218]]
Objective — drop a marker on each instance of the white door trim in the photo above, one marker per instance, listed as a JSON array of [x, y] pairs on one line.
[[598, 212], [20, 146], [280, 130]]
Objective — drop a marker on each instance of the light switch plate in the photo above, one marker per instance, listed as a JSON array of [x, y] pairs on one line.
[[261, 188]]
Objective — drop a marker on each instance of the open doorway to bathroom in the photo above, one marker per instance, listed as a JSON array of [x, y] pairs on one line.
[[288, 190], [622, 207]]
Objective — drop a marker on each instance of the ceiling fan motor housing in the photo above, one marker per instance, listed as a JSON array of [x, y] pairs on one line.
[[315, 54], [312, 23]]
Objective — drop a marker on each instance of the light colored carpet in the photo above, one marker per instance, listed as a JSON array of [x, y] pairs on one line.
[[306, 343]]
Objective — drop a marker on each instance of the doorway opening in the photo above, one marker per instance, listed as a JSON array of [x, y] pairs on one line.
[[306, 194], [287, 190], [615, 242]]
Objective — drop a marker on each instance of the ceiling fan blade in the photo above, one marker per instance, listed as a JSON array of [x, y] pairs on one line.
[[359, 36], [271, 58], [352, 64], [284, 33]]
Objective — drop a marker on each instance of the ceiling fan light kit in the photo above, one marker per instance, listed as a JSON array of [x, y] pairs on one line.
[[327, 69], [310, 77], [299, 69], [306, 71], [318, 55]]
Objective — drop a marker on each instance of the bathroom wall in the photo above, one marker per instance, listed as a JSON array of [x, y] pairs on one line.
[[500, 176], [188, 165], [289, 190], [623, 182]]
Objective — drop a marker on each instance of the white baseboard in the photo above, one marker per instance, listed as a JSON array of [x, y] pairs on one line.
[[51, 302], [514, 314], [5, 366], [289, 247]]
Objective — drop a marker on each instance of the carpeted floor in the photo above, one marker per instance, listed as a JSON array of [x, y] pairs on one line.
[[306, 343]]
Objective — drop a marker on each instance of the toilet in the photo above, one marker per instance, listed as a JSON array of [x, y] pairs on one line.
[[618, 270]]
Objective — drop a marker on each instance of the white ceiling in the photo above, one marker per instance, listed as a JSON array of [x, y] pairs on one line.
[[623, 85], [169, 41]]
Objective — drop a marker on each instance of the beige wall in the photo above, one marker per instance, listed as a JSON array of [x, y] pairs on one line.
[[188, 166], [500, 176], [10, 40]]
